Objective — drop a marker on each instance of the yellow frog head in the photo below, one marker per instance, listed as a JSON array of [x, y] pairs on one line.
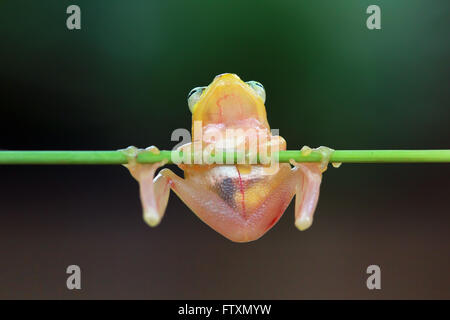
[[229, 101]]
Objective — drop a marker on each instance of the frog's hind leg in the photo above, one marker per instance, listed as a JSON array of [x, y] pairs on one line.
[[306, 194], [308, 188], [154, 191]]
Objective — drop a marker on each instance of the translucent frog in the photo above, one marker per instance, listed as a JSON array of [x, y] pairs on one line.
[[239, 201]]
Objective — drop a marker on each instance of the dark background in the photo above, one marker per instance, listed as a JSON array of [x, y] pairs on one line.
[[123, 79]]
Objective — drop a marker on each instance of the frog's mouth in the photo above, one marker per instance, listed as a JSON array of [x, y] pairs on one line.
[[229, 101]]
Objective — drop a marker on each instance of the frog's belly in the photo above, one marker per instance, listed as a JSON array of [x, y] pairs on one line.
[[245, 199]]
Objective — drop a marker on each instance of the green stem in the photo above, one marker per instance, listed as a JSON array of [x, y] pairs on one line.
[[118, 157]]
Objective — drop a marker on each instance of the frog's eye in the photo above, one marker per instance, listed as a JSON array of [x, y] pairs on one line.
[[259, 89], [194, 96]]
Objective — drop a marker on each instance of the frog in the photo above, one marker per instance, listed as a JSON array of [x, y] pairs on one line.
[[240, 201]]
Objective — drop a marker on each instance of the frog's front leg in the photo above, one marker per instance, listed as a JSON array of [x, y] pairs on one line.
[[308, 188]]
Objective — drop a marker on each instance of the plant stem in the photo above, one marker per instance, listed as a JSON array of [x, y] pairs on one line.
[[118, 157]]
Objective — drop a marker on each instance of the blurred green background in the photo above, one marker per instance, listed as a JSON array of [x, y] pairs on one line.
[[123, 79]]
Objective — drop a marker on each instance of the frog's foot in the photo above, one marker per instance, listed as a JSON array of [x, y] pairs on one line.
[[325, 152], [308, 189], [154, 192]]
